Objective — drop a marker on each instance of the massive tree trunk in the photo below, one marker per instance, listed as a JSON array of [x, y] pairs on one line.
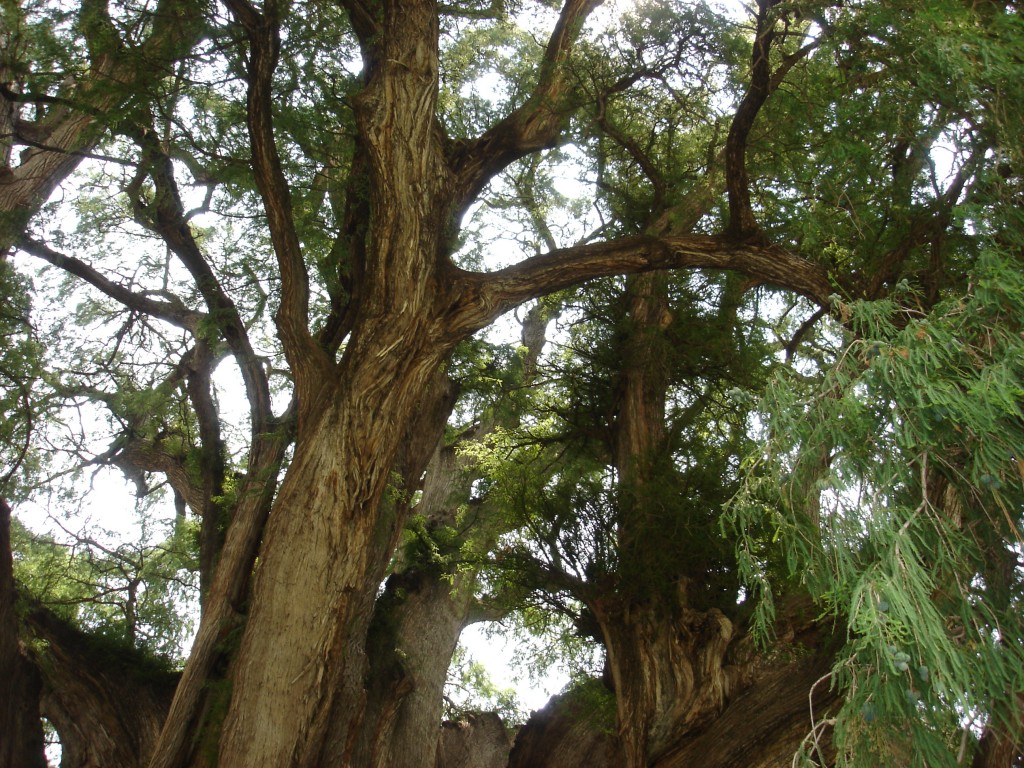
[[674, 659], [329, 538], [21, 742], [566, 733], [478, 742], [326, 549], [107, 701], [784, 708], [671, 673], [762, 726]]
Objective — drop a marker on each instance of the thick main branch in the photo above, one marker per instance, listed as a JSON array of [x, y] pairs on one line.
[[497, 292]]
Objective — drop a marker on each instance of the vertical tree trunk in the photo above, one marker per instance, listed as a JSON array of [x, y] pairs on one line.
[[329, 537], [418, 623], [21, 732], [667, 660], [326, 548]]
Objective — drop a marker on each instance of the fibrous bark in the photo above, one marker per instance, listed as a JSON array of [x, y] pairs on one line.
[[478, 741], [761, 726], [21, 732], [766, 723], [106, 700]]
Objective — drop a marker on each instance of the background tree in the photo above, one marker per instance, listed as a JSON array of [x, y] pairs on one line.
[[304, 195]]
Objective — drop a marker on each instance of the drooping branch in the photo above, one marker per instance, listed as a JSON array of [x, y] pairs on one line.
[[136, 456], [173, 312], [537, 123], [497, 292]]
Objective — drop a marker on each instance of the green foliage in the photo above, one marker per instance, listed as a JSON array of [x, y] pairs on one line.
[[900, 104], [470, 689], [650, 155], [131, 593], [894, 493], [22, 398], [485, 68], [554, 475], [35, 44]]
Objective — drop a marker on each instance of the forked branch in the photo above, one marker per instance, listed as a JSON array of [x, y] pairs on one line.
[[306, 358], [537, 123]]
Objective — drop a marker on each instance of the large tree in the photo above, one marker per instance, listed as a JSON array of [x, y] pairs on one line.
[[333, 199]]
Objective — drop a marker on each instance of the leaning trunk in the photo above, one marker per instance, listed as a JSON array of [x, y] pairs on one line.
[[326, 549]]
